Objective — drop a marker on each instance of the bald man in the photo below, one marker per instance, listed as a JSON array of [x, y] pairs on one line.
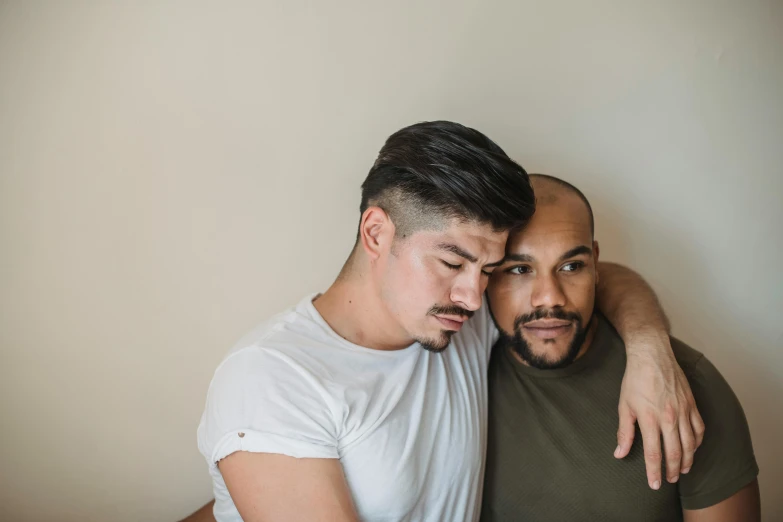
[[555, 376]]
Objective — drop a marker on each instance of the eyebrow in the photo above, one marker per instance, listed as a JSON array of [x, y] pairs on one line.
[[454, 249], [523, 258], [527, 258], [578, 251]]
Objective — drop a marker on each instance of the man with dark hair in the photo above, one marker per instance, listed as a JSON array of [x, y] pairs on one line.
[[369, 400], [554, 382]]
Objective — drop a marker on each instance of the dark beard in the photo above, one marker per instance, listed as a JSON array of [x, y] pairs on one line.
[[520, 346], [437, 345]]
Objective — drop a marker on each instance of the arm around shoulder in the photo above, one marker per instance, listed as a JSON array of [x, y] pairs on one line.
[[654, 392], [628, 302]]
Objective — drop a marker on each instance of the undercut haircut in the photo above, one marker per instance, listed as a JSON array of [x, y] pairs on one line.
[[570, 188], [432, 172]]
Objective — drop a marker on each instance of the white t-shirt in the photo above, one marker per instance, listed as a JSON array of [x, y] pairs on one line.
[[409, 426]]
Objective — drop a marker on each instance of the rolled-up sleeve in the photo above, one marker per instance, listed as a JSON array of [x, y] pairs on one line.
[[260, 400]]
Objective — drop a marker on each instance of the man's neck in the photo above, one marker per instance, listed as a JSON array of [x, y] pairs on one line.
[[353, 309]]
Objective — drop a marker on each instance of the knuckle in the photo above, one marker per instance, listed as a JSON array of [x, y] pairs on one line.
[[669, 414], [652, 455], [649, 418], [674, 455]]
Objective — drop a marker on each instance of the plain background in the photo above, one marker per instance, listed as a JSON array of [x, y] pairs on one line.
[[174, 172]]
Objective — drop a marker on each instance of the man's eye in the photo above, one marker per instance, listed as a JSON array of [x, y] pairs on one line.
[[573, 267], [453, 267], [519, 270], [484, 272]]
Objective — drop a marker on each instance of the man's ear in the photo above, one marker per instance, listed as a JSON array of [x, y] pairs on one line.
[[376, 232], [596, 252]]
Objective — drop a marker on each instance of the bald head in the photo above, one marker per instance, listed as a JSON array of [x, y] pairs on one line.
[[550, 190]]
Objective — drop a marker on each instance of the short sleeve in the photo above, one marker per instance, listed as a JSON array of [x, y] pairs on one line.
[[725, 462], [263, 401]]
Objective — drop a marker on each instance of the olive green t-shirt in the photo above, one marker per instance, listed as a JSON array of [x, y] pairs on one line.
[[552, 435]]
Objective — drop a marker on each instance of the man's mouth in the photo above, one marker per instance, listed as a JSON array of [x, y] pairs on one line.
[[453, 323], [547, 328]]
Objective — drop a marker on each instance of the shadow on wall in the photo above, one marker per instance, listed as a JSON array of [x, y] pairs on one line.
[[703, 316]]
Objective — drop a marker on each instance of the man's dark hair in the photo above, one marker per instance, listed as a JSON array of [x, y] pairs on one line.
[[566, 185], [440, 170]]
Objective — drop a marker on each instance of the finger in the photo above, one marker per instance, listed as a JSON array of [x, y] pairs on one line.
[[698, 426], [651, 437], [672, 451], [688, 441], [625, 433]]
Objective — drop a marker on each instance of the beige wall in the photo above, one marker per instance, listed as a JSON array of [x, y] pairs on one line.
[[173, 172]]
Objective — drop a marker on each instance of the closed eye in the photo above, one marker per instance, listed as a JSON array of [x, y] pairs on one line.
[[453, 267]]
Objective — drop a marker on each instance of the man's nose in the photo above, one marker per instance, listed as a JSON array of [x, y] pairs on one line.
[[547, 292], [468, 291]]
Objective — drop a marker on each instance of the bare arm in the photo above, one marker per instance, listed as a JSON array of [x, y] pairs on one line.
[[744, 505], [267, 486], [202, 515], [629, 302], [655, 392]]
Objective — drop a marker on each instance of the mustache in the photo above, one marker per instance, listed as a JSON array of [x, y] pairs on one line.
[[544, 313], [450, 310]]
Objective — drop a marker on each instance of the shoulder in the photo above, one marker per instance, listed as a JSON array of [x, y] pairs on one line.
[[725, 462], [275, 390], [287, 362], [710, 388], [290, 349], [707, 383], [293, 338]]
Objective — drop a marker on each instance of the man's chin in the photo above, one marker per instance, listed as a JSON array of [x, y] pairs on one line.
[[437, 343], [554, 348], [546, 361], [545, 354]]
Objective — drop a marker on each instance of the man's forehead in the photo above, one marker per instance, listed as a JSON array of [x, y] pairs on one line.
[[456, 230], [478, 239], [567, 216], [549, 235]]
